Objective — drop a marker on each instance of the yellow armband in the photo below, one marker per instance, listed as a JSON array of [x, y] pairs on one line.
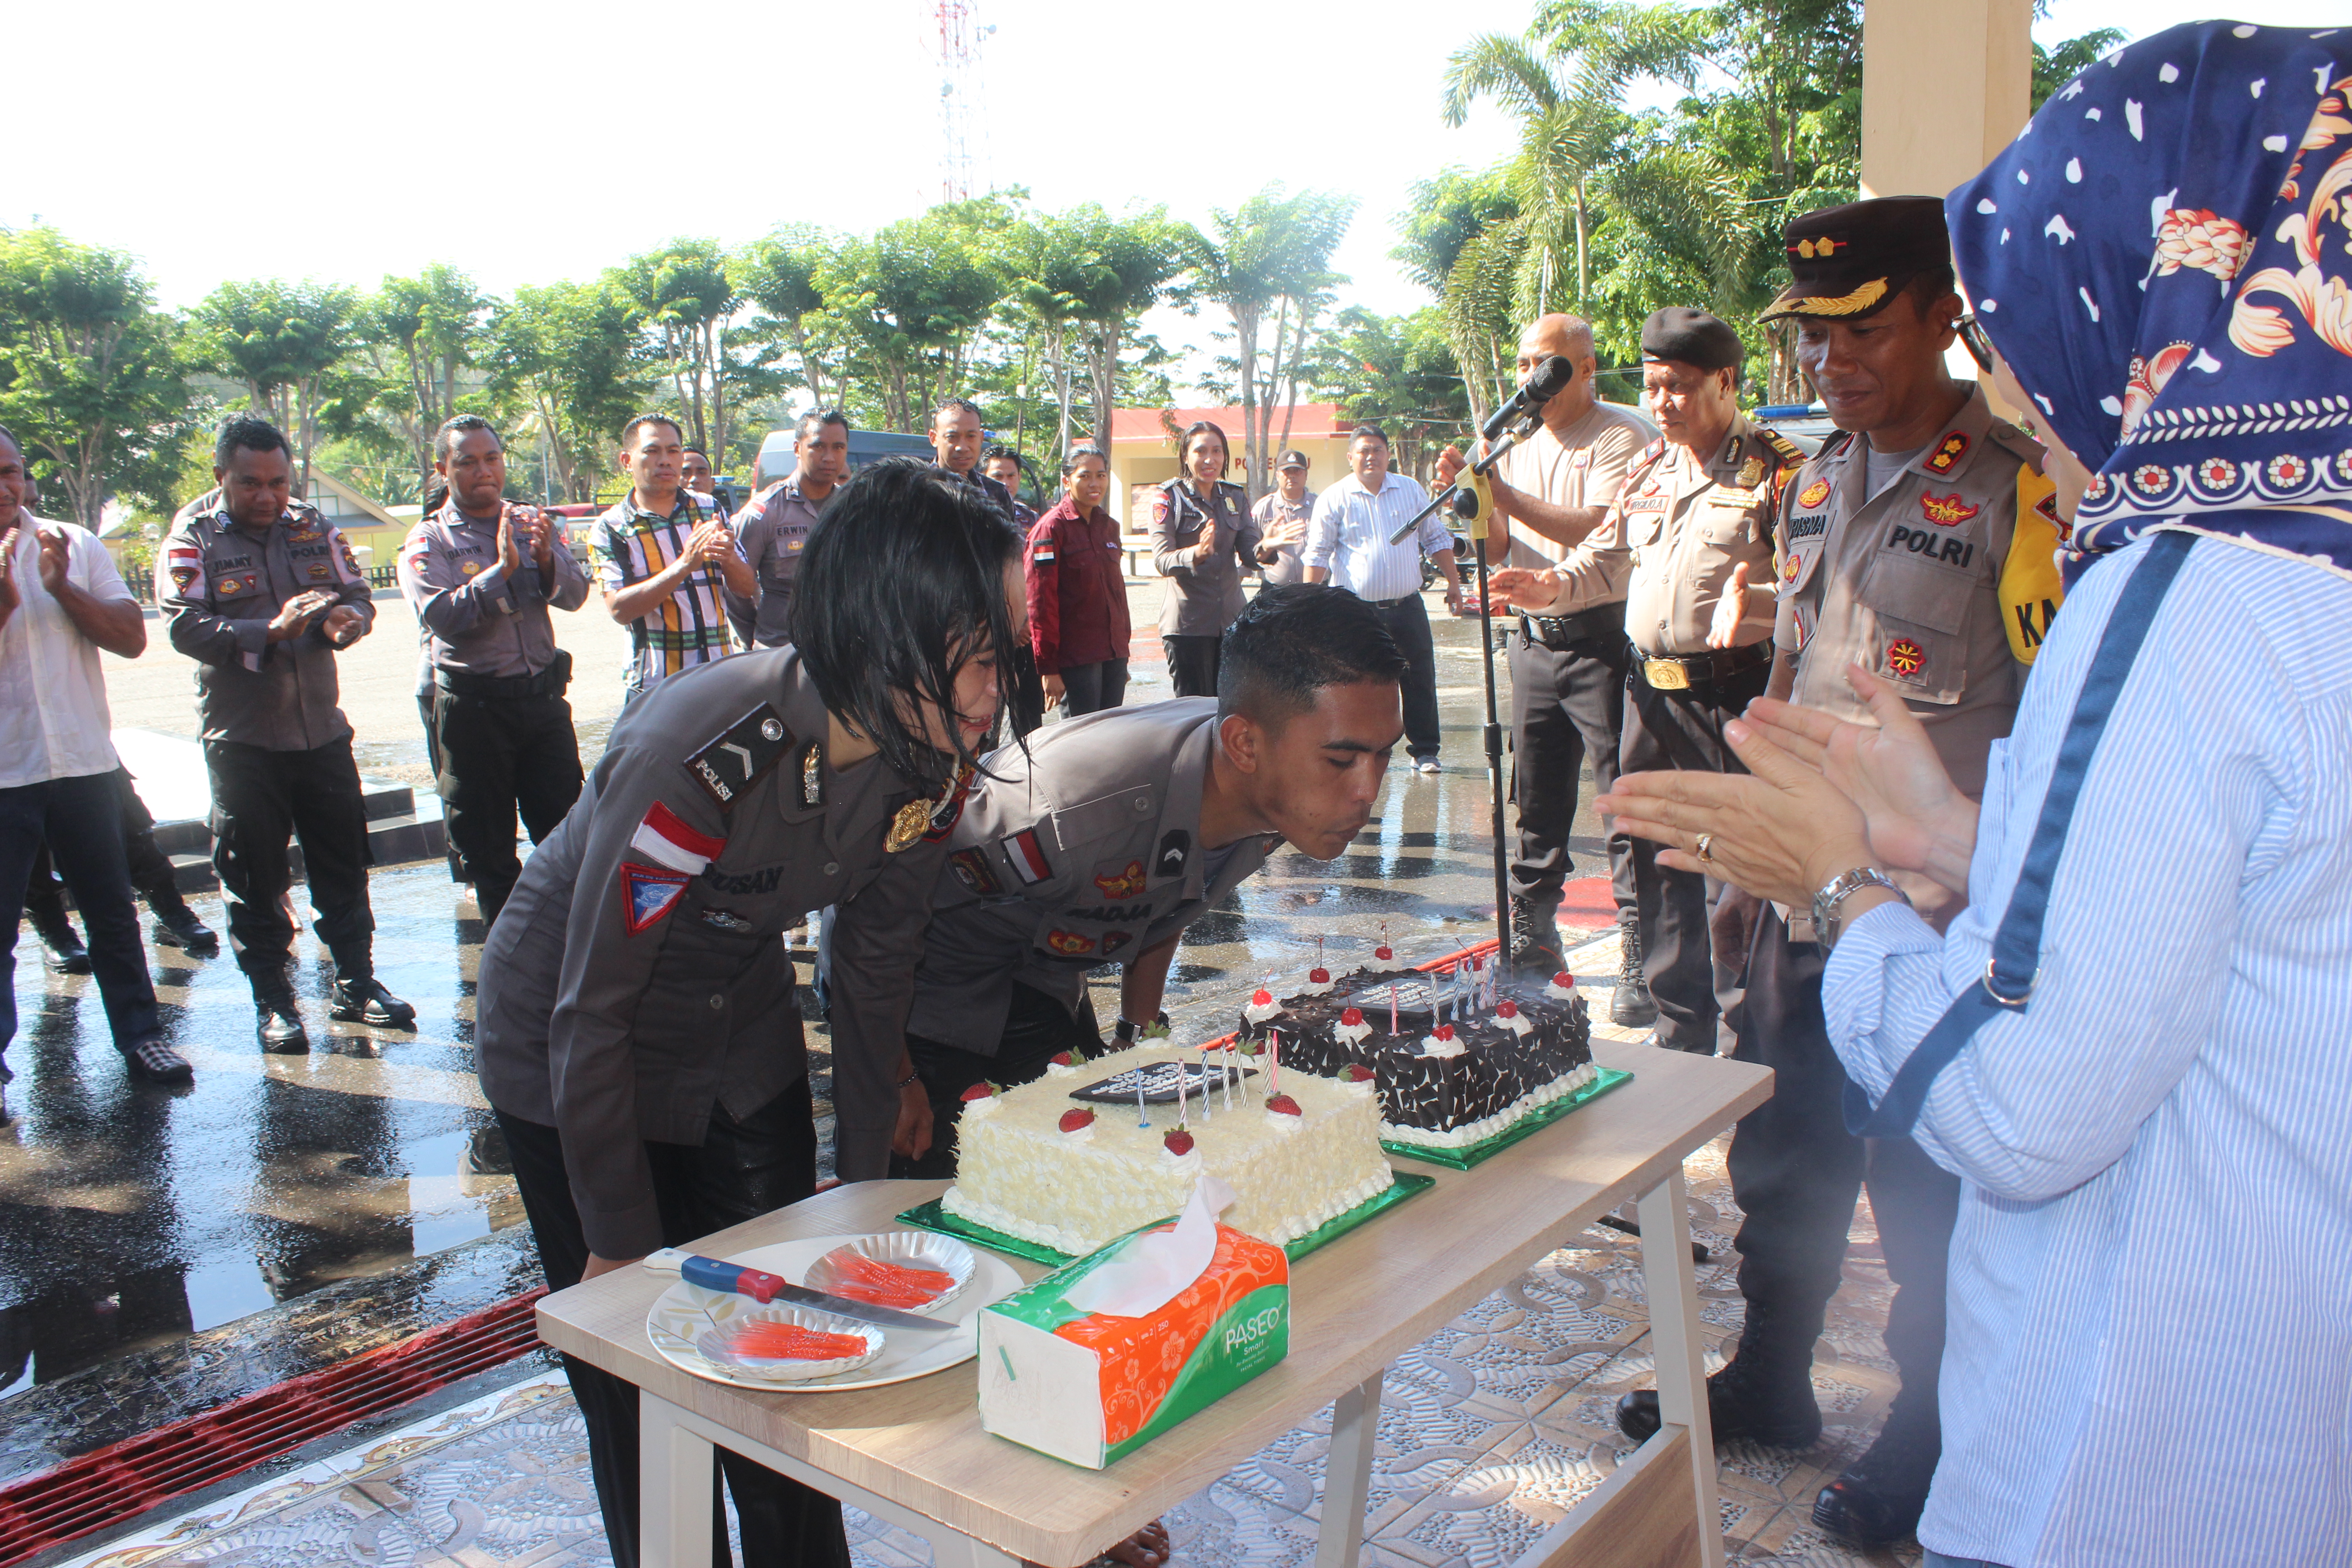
[[2030, 588]]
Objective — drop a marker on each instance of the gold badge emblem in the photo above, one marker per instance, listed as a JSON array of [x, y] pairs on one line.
[[907, 828], [1751, 472], [812, 776]]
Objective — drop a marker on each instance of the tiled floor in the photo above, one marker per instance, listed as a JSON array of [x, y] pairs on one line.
[[1490, 1431]]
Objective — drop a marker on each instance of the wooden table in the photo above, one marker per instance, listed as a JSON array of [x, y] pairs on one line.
[[913, 1453]]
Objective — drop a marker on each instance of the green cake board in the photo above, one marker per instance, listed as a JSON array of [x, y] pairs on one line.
[[1470, 1154], [931, 1217]]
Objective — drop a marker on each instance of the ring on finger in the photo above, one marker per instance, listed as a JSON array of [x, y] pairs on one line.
[[1705, 850]]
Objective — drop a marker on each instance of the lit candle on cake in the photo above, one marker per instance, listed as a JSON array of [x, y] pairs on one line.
[[1273, 1061]]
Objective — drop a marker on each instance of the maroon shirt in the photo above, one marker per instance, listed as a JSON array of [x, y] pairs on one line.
[[1077, 588]]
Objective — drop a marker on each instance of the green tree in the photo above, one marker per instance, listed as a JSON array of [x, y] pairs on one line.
[[915, 297], [283, 340], [1270, 259], [1398, 372], [433, 321], [1136, 265], [683, 295], [2055, 68], [90, 380], [569, 362], [778, 275]]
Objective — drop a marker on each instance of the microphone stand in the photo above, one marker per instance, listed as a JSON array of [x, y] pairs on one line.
[[1464, 504]]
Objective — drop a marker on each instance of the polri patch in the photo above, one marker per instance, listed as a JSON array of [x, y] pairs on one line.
[[1946, 512], [1118, 882], [973, 869], [1813, 494], [647, 894], [1069, 944], [740, 756]]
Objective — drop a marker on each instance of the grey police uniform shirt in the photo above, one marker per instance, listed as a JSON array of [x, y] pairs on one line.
[[771, 531], [1689, 522], [478, 618], [1204, 586], [1906, 583], [1086, 851], [220, 585], [638, 977], [1273, 512], [1585, 465]]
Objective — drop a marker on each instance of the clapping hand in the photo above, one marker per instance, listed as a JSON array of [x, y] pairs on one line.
[[10, 597], [294, 617], [509, 550], [343, 626], [1509, 586], [55, 561]]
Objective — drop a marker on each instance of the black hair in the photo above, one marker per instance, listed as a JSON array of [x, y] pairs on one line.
[[901, 583], [989, 454], [10, 436], [1367, 433], [817, 419], [445, 439], [1292, 640], [629, 431], [1079, 454], [1184, 441], [1929, 287], [960, 405], [249, 433], [698, 451]]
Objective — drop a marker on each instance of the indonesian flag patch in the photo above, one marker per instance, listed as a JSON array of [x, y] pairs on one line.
[[663, 837], [1029, 862], [647, 894]]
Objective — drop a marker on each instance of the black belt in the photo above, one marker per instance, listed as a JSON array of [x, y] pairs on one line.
[[1681, 671], [548, 682], [1391, 603], [1602, 623]]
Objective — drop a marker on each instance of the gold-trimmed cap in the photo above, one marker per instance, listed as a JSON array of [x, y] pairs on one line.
[[1847, 262]]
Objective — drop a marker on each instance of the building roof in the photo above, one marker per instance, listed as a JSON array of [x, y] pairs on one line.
[[1308, 422]]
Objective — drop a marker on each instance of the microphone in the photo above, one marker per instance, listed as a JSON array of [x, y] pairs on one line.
[[1552, 378]]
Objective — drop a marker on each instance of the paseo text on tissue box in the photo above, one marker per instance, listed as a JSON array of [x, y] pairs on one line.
[[1090, 1386]]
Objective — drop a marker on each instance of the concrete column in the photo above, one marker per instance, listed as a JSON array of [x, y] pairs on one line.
[[1945, 84]]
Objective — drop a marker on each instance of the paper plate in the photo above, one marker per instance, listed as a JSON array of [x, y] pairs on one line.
[[905, 1354], [682, 1321], [907, 1249]]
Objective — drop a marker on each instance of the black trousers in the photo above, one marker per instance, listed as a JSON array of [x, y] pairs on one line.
[[1567, 704], [1795, 1172], [1671, 729], [259, 798], [151, 869], [498, 756], [1193, 663], [82, 817], [1407, 620], [1036, 1030], [1091, 688], [743, 1169]]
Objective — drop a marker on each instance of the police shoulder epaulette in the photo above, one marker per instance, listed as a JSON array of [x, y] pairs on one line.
[[1837, 441], [1655, 450], [1788, 451], [2015, 442]]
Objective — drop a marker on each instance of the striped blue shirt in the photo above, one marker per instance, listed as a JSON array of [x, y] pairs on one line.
[[2149, 1358], [1349, 537]]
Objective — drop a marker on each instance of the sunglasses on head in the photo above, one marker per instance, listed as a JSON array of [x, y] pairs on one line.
[[1973, 338]]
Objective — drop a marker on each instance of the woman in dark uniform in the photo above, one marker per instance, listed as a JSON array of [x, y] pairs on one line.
[[1204, 541]]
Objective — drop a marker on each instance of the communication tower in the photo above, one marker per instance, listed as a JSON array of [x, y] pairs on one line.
[[955, 45]]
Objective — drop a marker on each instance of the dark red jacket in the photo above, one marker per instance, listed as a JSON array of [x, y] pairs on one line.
[[1077, 588]]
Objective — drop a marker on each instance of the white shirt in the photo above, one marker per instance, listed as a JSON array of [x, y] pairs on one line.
[[1349, 537], [2149, 1358], [54, 722]]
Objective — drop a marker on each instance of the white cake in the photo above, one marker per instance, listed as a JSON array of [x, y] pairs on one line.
[[1018, 1172]]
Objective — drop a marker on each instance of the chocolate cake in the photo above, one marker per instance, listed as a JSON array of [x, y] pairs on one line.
[[1453, 1067]]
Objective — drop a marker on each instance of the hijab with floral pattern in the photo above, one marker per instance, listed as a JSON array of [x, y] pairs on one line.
[[2161, 258]]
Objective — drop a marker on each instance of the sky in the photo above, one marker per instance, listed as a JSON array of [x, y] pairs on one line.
[[525, 143]]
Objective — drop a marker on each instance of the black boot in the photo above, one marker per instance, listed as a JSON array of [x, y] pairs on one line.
[[1878, 1501], [65, 953], [1764, 1395], [278, 1022], [1535, 937], [1632, 1007], [176, 925], [361, 999]]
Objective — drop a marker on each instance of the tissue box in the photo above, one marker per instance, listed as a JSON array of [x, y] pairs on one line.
[[1088, 1387]]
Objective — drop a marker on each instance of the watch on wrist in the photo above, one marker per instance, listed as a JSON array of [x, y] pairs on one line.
[[1829, 904], [1123, 1031]]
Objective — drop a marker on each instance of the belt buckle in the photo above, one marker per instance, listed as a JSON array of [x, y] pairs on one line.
[[1665, 675]]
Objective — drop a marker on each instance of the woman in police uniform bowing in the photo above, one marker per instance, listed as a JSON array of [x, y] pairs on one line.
[[638, 1035]]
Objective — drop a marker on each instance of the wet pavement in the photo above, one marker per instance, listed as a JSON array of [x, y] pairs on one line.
[[283, 1212]]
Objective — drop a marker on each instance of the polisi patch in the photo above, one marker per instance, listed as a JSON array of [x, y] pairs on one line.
[[1948, 452], [1814, 494], [1949, 548], [647, 894], [1946, 512], [1175, 851], [1117, 881], [971, 869], [740, 757]]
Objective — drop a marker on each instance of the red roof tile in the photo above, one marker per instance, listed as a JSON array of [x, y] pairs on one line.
[[1311, 421]]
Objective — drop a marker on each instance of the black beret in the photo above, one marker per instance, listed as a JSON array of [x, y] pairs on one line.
[[1694, 337], [1850, 262]]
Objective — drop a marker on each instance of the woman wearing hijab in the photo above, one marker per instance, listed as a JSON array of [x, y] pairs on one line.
[[2131, 1043]]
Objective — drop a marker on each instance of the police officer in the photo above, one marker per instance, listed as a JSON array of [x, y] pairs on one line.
[[639, 1038], [1695, 515], [480, 573], [263, 591], [1897, 537], [773, 529], [1570, 661], [1115, 831]]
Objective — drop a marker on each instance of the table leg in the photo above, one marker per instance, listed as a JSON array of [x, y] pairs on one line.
[[1347, 1474], [1673, 1288], [674, 1471]]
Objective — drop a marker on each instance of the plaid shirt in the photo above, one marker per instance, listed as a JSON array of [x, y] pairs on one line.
[[633, 544]]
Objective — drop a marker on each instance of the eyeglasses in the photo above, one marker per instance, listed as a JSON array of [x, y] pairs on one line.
[[1973, 338]]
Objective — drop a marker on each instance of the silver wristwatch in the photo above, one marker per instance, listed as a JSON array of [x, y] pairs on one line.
[[1829, 904]]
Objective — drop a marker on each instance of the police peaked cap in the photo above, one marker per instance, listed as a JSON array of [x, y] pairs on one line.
[[1848, 262], [1692, 337]]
